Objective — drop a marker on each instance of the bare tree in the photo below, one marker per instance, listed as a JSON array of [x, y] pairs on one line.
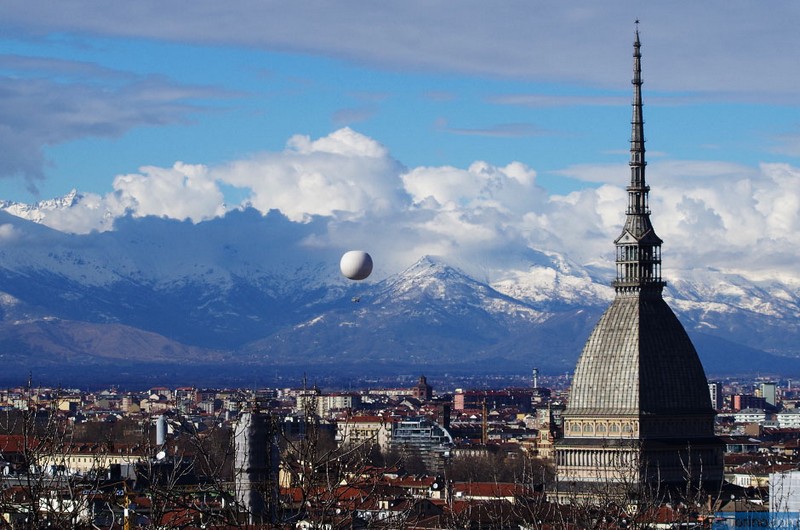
[[330, 484], [40, 487]]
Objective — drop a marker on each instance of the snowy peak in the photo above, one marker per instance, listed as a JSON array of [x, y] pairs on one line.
[[433, 278], [432, 283], [38, 211], [542, 278]]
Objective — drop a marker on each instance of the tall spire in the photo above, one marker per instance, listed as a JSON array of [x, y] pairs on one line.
[[637, 162], [638, 247]]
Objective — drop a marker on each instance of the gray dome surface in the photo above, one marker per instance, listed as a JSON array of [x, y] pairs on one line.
[[639, 360]]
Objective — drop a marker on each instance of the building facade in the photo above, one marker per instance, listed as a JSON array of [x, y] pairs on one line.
[[364, 430], [639, 411], [474, 400], [769, 391], [746, 401], [423, 391], [715, 393], [424, 438]]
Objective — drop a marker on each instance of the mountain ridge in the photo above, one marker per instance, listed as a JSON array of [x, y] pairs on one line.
[[248, 290]]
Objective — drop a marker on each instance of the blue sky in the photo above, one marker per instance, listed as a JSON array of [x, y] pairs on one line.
[[94, 93]]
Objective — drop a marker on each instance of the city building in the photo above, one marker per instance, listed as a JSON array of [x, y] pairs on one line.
[[359, 430], [423, 391], [423, 438], [715, 392], [638, 410], [746, 401], [752, 415], [474, 400], [329, 403], [769, 391], [547, 433], [789, 419]]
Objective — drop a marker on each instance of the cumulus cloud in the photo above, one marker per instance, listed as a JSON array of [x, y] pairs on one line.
[[509, 190], [343, 172], [88, 213], [734, 218], [183, 191], [741, 220]]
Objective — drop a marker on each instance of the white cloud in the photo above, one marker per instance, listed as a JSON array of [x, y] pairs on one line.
[[742, 221], [183, 191], [730, 217], [343, 172], [780, 202], [508, 188], [91, 212], [345, 142], [8, 233]]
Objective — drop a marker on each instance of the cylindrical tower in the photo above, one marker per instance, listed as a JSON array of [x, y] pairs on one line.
[[161, 431], [255, 466]]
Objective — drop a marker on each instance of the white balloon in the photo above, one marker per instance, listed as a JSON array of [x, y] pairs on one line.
[[356, 264]]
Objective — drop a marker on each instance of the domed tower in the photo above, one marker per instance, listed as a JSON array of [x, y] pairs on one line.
[[639, 410]]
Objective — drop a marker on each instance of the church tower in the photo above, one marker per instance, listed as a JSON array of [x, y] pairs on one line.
[[639, 411]]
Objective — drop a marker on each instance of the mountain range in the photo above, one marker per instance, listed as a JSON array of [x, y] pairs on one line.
[[249, 294]]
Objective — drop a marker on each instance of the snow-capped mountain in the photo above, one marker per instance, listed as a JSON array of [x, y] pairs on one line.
[[38, 211], [250, 290], [428, 314]]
